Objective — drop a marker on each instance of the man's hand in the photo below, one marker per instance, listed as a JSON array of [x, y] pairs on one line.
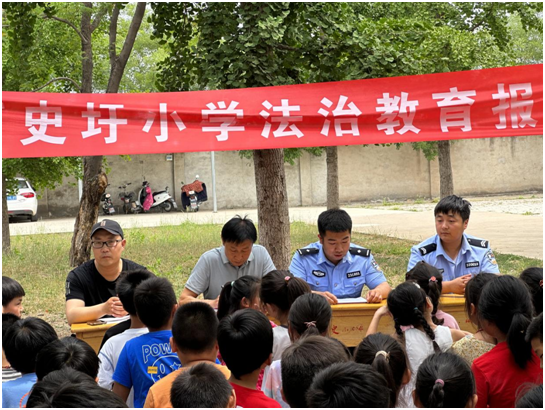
[[457, 285], [114, 307], [330, 297], [374, 296]]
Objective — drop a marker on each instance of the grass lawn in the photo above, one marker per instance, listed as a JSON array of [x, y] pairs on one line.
[[40, 262]]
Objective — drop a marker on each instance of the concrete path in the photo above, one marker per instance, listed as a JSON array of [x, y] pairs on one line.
[[507, 233]]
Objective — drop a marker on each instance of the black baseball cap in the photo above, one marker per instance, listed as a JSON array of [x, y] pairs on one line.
[[108, 225]]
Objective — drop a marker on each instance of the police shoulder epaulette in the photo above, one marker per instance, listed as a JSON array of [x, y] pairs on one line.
[[424, 250], [481, 243], [360, 251], [308, 251]]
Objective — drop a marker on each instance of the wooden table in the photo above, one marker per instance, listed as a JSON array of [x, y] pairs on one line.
[[91, 334], [350, 321]]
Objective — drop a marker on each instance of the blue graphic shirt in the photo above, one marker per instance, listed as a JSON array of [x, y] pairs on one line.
[[15, 392], [145, 360], [475, 256], [344, 280]]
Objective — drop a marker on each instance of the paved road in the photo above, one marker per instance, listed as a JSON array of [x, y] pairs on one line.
[[508, 233]]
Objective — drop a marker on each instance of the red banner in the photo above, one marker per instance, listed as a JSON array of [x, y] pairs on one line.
[[498, 102]]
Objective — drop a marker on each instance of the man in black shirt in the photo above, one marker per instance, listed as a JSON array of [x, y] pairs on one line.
[[90, 288]]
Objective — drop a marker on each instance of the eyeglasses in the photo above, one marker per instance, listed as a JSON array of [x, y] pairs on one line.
[[110, 244]]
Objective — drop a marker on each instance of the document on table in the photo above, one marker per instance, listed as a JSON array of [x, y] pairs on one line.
[[352, 300], [114, 319]]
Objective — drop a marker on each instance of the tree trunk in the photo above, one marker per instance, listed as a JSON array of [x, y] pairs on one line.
[[94, 178], [332, 177], [446, 182], [272, 205], [6, 243]]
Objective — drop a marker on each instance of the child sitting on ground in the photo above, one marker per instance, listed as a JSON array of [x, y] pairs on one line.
[[110, 351], [67, 352], [430, 279], [245, 340], [472, 346], [70, 388], [411, 309], [12, 305], [533, 277], [386, 355], [279, 289], [310, 314], [348, 385], [303, 359], [445, 380], [202, 386], [505, 311], [195, 340], [148, 358], [22, 342], [534, 336]]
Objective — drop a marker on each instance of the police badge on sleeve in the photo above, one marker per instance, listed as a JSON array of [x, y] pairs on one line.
[[491, 257]]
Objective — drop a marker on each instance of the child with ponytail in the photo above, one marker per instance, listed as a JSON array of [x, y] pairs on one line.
[[279, 289], [386, 355], [445, 380], [430, 279], [505, 311], [412, 310], [242, 293], [310, 314]]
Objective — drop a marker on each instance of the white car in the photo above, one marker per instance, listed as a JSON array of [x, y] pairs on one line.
[[25, 203]]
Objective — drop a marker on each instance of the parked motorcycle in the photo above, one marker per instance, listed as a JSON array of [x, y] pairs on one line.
[[129, 204], [158, 200], [107, 205], [193, 195]]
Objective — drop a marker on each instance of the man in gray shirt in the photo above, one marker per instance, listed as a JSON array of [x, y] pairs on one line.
[[239, 256]]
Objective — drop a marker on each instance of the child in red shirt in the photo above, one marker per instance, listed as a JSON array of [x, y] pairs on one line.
[[505, 311], [245, 339]]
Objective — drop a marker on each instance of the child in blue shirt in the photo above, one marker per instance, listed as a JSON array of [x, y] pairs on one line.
[[149, 357], [22, 342]]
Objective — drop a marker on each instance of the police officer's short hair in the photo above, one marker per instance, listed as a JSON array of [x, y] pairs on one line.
[[238, 230], [453, 203], [334, 220], [201, 385]]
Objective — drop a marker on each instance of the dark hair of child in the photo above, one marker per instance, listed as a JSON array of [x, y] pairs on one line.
[[281, 288], [407, 304], [195, 327], [334, 220], [455, 204], [71, 389], [473, 290], [154, 299], [430, 280], [24, 339], [385, 355], [127, 283], [506, 303], [11, 289], [201, 386], [535, 329], [238, 230], [444, 380], [310, 314], [531, 398], [8, 319], [245, 339], [232, 293], [348, 385], [533, 277], [67, 352], [302, 360]]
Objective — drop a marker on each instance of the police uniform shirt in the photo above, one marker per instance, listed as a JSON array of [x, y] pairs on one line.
[[475, 256], [344, 280]]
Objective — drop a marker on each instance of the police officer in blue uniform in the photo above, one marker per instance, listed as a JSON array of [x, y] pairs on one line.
[[457, 255], [336, 268]]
